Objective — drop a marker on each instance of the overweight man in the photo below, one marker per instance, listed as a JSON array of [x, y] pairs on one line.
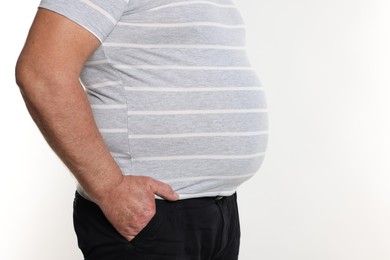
[[155, 109]]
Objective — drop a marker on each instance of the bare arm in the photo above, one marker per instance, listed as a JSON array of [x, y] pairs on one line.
[[47, 73]]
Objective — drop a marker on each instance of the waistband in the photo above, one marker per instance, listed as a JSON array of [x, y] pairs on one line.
[[197, 202], [184, 203]]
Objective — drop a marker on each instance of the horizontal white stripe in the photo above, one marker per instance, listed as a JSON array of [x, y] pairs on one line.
[[206, 194], [100, 10], [189, 112], [200, 89], [190, 3], [189, 24], [210, 177], [119, 106], [104, 84], [113, 130], [172, 46], [120, 155], [195, 157], [171, 67], [97, 62], [232, 134]]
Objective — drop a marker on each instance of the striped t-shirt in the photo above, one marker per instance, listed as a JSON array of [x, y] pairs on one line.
[[172, 91]]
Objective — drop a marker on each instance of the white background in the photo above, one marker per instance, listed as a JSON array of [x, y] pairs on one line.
[[323, 191]]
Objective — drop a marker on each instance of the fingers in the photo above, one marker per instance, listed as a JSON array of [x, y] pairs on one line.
[[163, 190], [129, 238]]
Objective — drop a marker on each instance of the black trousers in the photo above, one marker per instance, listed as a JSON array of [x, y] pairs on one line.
[[192, 229]]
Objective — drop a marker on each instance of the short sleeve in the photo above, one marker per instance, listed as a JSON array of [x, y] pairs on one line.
[[97, 16]]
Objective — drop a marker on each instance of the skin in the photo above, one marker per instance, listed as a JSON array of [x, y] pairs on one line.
[[47, 73]]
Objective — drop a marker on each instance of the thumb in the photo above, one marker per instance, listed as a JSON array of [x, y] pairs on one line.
[[164, 190]]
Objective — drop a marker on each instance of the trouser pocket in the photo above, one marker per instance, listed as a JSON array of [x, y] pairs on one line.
[[151, 230], [96, 237]]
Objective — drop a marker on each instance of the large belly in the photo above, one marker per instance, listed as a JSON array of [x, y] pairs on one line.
[[177, 100]]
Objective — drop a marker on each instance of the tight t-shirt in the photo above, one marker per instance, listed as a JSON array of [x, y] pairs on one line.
[[172, 91]]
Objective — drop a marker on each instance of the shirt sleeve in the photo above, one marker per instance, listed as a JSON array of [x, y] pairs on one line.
[[97, 16]]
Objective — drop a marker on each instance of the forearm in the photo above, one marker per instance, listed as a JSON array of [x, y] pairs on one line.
[[64, 116]]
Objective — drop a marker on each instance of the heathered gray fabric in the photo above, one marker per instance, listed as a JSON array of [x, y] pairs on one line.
[[172, 91]]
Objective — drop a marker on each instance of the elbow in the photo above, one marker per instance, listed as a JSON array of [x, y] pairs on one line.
[[33, 79], [28, 77], [22, 74]]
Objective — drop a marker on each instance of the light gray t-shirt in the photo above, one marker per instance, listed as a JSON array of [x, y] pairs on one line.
[[172, 91]]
